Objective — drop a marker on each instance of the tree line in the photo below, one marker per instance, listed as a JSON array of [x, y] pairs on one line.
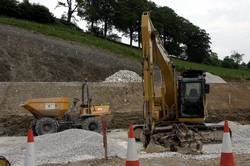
[[26, 10], [180, 37]]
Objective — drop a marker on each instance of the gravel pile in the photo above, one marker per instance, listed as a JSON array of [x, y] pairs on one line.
[[214, 79], [124, 76], [70, 145]]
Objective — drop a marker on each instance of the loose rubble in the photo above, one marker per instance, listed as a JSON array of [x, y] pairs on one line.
[[240, 144], [69, 145], [74, 145], [124, 76]]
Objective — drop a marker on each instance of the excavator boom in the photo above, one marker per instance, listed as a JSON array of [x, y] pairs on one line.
[[174, 116]]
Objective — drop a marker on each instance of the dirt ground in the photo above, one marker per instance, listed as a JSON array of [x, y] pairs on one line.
[[241, 160], [125, 99], [30, 56]]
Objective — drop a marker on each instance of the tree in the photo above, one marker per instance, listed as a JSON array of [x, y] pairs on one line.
[[196, 40], [248, 65], [181, 36], [106, 13], [72, 6], [128, 15], [229, 63], [8, 8], [90, 12], [243, 65], [167, 24], [237, 57], [212, 59]]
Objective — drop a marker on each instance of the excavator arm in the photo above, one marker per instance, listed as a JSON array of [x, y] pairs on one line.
[[164, 106], [174, 117]]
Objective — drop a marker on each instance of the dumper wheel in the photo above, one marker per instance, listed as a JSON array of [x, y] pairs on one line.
[[91, 124], [46, 126]]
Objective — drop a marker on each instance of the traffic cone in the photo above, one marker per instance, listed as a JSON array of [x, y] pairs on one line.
[[132, 157], [227, 158], [30, 152]]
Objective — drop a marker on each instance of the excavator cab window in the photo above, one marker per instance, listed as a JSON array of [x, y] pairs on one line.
[[191, 100], [192, 91]]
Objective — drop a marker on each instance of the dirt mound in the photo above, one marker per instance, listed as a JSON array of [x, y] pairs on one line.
[[28, 56]]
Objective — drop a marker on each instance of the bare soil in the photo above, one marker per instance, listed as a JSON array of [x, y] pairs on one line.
[[125, 99], [29, 56], [241, 160]]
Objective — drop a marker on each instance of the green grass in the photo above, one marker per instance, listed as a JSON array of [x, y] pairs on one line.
[[223, 72], [67, 33]]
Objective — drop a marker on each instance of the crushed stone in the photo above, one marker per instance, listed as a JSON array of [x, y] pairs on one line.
[[62, 147], [124, 76], [74, 145]]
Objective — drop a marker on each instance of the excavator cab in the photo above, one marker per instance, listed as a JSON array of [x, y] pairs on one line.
[[192, 90]]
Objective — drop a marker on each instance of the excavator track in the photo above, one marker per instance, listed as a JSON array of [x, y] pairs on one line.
[[183, 138]]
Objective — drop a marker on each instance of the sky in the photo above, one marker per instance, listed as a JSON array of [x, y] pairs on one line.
[[227, 21]]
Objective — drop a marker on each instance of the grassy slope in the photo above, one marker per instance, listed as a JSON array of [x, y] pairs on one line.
[[66, 33]]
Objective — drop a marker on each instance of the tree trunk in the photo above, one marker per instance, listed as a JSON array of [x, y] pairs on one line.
[[139, 39], [69, 13], [131, 37], [105, 28], [69, 17], [164, 40], [92, 26]]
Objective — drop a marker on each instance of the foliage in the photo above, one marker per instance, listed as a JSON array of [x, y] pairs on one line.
[[8, 8], [212, 59], [128, 15], [228, 62], [25, 10], [72, 6], [243, 65], [223, 72], [237, 57], [180, 36], [35, 12], [89, 12], [106, 12], [248, 65]]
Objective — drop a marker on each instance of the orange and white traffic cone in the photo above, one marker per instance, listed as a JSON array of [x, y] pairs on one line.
[[30, 158], [132, 157], [227, 158]]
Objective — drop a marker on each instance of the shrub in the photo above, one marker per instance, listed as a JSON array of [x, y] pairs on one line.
[[25, 10], [8, 8], [35, 12]]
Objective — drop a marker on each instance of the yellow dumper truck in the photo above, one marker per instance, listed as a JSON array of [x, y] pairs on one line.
[[54, 114]]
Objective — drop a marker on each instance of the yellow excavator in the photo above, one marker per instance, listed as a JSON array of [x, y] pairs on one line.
[[175, 116], [55, 114]]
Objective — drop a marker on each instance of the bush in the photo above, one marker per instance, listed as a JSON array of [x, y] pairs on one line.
[[25, 10], [35, 12], [8, 8], [229, 63]]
